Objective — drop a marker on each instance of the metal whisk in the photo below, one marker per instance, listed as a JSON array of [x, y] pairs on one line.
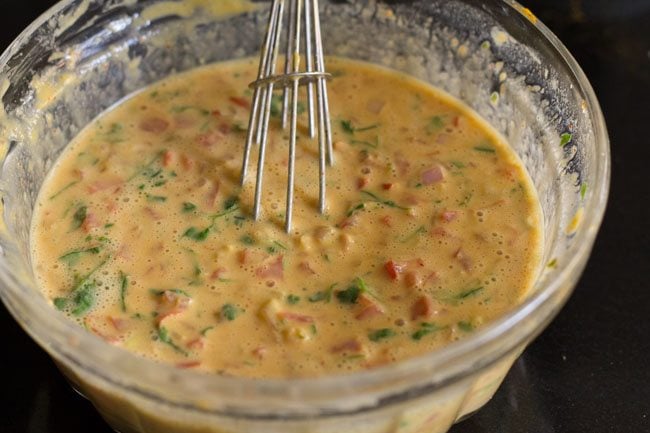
[[314, 77]]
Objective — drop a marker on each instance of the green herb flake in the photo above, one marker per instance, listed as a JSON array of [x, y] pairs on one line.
[[375, 198], [468, 293], [425, 329], [83, 298], [552, 264], [380, 334], [205, 330], [229, 312], [72, 258], [293, 299], [197, 234], [465, 326], [163, 336], [485, 149], [435, 123], [349, 295], [230, 202], [188, 207], [60, 303], [565, 139], [323, 295], [64, 189], [79, 217], [349, 128], [124, 285], [247, 240], [419, 231], [156, 198], [583, 190]]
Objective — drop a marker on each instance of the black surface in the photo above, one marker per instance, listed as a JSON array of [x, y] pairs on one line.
[[590, 370]]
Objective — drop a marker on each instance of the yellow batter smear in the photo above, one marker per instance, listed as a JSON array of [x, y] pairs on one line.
[[142, 234]]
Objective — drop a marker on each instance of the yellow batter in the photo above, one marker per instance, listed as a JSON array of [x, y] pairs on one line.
[[142, 234]]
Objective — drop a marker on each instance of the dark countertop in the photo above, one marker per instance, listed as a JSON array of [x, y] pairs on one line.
[[590, 370]]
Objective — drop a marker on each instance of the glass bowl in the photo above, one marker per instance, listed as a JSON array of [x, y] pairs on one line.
[[82, 56]]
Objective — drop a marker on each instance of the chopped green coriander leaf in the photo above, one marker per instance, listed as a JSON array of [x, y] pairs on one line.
[[60, 303], [163, 336], [83, 298], [64, 189], [196, 234], [356, 208], [109, 225], [205, 330], [457, 164], [324, 295], [229, 312], [484, 148], [375, 198], [419, 231], [465, 326], [156, 198], [188, 207], [373, 145], [348, 128], [79, 217], [72, 258], [494, 98], [156, 292], [425, 329], [281, 245], [230, 202], [293, 299], [583, 190], [349, 295], [435, 123], [124, 284], [552, 264], [565, 139], [468, 293], [224, 213], [381, 334], [247, 240]]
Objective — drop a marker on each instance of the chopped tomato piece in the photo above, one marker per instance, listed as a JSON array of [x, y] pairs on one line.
[[432, 175], [305, 266], [104, 184], [274, 269], [369, 308], [241, 102], [351, 345], [170, 304], [464, 260], [168, 158], [196, 344], [394, 269], [90, 222], [119, 324], [448, 216], [362, 182], [155, 125], [423, 307], [295, 317], [387, 186], [188, 364]]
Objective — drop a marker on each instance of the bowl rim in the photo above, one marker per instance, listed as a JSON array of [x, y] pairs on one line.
[[492, 342]]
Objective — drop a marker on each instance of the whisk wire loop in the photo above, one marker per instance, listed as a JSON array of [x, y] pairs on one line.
[[317, 105]]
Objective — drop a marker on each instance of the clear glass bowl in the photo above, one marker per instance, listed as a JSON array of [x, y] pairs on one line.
[[84, 55]]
